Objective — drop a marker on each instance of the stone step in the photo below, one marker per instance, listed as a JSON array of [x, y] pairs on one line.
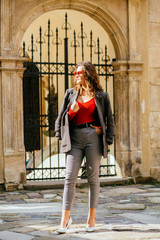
[[110, 181]]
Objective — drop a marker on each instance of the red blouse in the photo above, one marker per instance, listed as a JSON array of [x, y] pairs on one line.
[[86, 113]]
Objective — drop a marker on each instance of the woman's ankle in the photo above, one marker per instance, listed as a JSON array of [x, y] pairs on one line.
[[91, 222], [65, 218], [64, 222]]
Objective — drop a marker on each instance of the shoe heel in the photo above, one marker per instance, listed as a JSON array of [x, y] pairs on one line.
[[63, 230], [69, 223]]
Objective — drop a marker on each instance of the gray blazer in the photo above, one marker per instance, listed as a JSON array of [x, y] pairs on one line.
[[104, 113]]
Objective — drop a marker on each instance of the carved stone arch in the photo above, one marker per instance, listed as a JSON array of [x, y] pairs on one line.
[[103, 17]]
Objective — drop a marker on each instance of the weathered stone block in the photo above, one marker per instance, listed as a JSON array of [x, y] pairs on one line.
[[154, 56], [154, 119], [14, 165], [154, 11], [155, 173], [154, 140], [155, 98], [155, 156], [10, 187], [123, 165], [143, 180], [154, 76], [154, 33], [23, 177], [20, 187], [135, 163]]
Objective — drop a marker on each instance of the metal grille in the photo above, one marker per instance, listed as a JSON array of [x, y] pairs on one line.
[[44, 82]]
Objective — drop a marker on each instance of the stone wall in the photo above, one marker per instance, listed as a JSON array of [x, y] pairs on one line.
[[154, 77]]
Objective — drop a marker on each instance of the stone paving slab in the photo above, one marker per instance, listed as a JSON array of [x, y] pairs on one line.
[[7, 235], [124, 206], [2, 202], [33, 195], [30, 207], [46, 238], [151, 194], [50, 195], [23, 229], [36, 200], [143, 218], [154, 200], [136, 227], [120, 236], [124, 190]]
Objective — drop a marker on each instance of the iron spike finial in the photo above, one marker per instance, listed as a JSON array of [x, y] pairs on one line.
[[105, 51], [24, 46], [56, 35], [81, 24], [98, 43], [66, 19]]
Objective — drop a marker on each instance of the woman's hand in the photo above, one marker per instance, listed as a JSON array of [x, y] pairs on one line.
[[74, 106], [98, 130]]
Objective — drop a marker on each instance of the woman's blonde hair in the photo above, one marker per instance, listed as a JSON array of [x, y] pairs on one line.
[[92, 78]]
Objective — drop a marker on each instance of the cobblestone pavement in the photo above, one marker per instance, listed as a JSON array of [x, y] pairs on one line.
[[124, 213]]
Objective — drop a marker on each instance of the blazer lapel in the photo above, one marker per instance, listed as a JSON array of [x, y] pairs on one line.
[[98, 101], [73, 96], [99, 105]]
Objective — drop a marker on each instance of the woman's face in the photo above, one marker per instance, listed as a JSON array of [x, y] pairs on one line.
[[80, 75]]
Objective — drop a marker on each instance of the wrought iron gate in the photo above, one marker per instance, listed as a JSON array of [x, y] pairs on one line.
[[43, 160]]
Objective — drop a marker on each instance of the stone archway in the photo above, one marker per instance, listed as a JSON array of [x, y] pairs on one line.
[[104, 18]]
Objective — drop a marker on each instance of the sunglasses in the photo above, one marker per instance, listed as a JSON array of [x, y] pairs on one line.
[[78, 73]]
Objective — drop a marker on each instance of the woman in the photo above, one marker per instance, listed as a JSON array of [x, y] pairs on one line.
[[81, 125]]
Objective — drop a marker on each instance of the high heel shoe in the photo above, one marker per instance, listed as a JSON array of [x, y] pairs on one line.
[[90, 229], [63, 230]]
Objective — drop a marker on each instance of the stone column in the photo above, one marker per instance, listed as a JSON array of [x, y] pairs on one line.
[[128, 117], [135, 131], [12, 121], [121, 115]]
